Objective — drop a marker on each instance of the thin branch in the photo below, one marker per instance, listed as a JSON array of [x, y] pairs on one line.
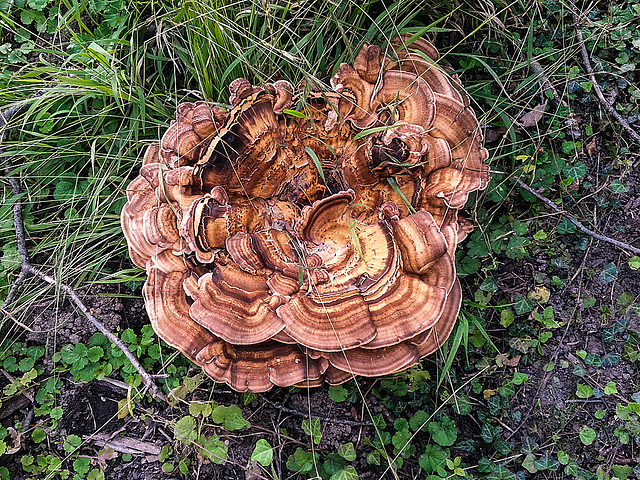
[[587, 64], [18, 222], [15, 287], [28, 269], [545, 83], [542, 78], [354, 423], [580, 226]]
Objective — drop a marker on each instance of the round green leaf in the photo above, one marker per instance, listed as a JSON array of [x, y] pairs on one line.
[[443, 432], [348, 473], [563, 458], [38, 435], [82, 465], [56, 413], [338, 393], [262, 453], [609, 273], [185, 429], [520, 378], [587, 435], [584, 391], [212, 448], [347, 451]]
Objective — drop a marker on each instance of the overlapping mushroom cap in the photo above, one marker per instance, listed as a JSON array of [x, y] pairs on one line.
[[300, 237]]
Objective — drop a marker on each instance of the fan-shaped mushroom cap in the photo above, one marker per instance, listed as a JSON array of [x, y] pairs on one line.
[[334, 376], [257, 368], [435, 338], [404, 41], [369, 63], [141, 198], [168, 308], [235, 306], [421, 58], [283, 92], [407, 97], [190, 133], [347, 82], [151, 154], [288, 249], [387, 360]]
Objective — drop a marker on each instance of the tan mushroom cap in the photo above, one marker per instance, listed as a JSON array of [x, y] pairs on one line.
[[388, 360], [375, 362], [407, 97], [257, 368], [348, 83], [421, 58], [286, 249], [435, 338], [235, 305], [245, 368], [190, 133], [168, 308], [406, 41]]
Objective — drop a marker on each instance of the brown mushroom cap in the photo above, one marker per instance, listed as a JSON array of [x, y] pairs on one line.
[[257, 368], [235, 305], [168, 308], [291, 249]]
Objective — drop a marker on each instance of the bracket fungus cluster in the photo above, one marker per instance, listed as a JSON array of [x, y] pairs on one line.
[[304, 234]]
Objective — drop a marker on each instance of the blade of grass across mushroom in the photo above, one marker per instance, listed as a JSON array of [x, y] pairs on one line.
[[392, 182], [356, 240], [316, 162], [294, 113], [369, 131]]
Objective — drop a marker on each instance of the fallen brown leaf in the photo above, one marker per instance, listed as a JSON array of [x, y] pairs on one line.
[[532, 118], [512, 362], [494, 134]]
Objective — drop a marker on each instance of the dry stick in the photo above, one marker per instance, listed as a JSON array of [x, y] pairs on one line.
[[27, 269], [545, 83], [580, 226], [587, 64]]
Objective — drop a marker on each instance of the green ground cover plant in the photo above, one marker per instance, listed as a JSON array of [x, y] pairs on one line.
[[539, 378]]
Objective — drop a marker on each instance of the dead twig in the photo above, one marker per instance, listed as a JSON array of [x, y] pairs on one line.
[[543, 79], [27, 269], [580, 226], [591, 74], [129, 445]]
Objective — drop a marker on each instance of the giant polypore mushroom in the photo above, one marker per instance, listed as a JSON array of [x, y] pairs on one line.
[[284, 249]]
